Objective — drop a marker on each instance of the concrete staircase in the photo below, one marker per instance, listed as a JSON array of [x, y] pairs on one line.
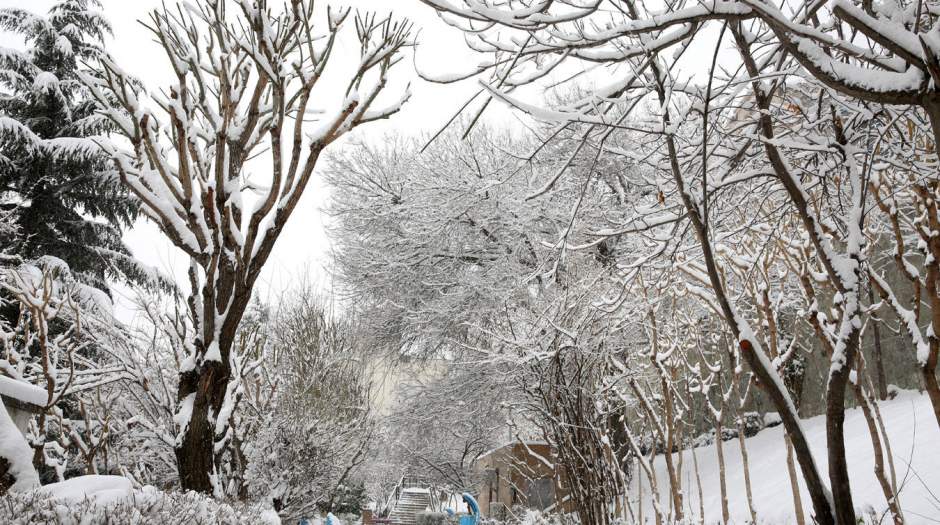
[[411, 503]]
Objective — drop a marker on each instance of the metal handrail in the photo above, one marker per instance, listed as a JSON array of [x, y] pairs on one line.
[[392, 497]]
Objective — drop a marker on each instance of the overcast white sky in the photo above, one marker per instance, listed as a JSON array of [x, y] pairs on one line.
[[303, 245]]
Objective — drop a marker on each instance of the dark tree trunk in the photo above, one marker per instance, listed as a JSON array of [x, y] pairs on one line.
[[818, 492], [928, 366], [835, 436], [929, 373], [195, 455], [208, 380], [6, 478]]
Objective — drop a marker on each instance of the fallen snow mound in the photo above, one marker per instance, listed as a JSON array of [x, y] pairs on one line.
[[102, 489]]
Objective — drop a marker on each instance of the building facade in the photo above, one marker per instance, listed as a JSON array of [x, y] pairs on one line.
[[521, 476]]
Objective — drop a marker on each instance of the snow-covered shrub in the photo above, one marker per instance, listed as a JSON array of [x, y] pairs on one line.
[[772, 419], [16, 469], [349, 499], [60, 344], [893, 391], [534, 517], [727, 434], [752, 423], [144, 507], [434, 518]]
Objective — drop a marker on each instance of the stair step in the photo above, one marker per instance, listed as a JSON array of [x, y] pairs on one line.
[[410, 503]]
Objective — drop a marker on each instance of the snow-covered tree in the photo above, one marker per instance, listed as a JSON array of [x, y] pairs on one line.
[[310, 440], [571, 354], [433, 246], [909, 216], [249, 79], [856, 56], [61, 190], [446, 252]]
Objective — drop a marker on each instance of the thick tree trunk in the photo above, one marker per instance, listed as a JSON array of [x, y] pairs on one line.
[[195, 453], [932, 107], [929, 366], [203, 386]]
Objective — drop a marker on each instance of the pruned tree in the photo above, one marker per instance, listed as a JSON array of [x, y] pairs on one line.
[[249, 78]]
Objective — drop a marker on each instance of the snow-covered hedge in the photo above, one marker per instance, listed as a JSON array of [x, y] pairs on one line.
[[147, 506]]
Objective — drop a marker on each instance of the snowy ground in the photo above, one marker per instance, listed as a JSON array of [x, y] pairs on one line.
[[914, 439]]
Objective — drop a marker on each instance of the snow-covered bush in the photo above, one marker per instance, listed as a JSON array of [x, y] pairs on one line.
[[771, 419], [752, 423], [145, 506], [61, 343], [16, 469], [534, 517], [434, 518]]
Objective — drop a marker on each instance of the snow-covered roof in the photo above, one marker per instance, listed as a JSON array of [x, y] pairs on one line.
[[23, 392]]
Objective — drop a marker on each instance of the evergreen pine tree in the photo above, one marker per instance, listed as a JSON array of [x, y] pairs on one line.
[[61, 192]]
